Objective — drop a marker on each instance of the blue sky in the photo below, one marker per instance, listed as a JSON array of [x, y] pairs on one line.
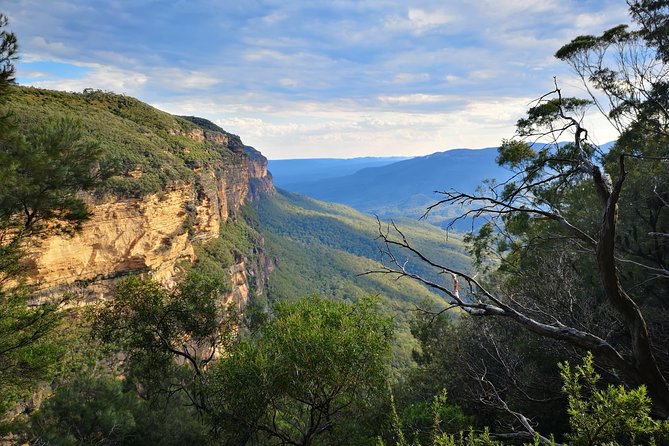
[[300, 79]]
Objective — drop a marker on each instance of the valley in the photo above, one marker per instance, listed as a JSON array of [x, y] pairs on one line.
[[396, 189], [163, 283]]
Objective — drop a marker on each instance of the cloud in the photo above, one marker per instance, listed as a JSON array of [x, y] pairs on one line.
[[416, 98], [295, 78], [99, 77], [407, 78], [178, 79], [419, 21]]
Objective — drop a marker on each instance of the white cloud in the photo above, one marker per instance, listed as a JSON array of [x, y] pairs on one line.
[[407, 78], [99, 77], [419, 20], [416, 98], [185, 79], [364, 77], [287, 82]]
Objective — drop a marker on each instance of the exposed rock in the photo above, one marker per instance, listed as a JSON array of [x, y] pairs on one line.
[[155, 234], [260, 177]]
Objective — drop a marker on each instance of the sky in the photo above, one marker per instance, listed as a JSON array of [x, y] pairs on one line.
[[306, 79]]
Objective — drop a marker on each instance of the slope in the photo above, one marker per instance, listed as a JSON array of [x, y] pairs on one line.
[[144, 150], [324, 247]]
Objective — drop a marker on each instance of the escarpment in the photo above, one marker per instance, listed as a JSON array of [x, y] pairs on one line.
[[139, 225]]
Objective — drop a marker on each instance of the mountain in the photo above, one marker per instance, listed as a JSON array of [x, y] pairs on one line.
[[290, 171], [171, 186], [405, 188]]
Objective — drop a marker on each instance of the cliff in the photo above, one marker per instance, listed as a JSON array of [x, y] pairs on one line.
[[174, 182]]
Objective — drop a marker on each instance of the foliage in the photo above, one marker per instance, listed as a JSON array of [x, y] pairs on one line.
[[613, 415], [324, 248], [168, 337], [437, 436], [94, 410], [8, 54], [577, 236], [301, 372], [143, 150], [41, 175], [29, 351]]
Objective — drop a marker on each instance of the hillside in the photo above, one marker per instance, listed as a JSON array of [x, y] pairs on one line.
[[406, 188], [324, 247], [168, 185]]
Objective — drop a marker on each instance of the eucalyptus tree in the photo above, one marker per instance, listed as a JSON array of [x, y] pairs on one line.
[[601, 216]]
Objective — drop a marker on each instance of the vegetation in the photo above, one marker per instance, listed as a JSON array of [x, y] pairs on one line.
[[315, 364], [40, 176], [573, 252], [324, 247], [143, 150], [100, 410], [579, 234], [402, 189]]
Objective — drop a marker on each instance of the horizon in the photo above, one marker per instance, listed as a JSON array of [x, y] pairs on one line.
[[324, 80]]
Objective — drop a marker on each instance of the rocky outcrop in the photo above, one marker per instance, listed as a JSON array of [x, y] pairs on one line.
[[156, 234], [260, 178], [123, 236]]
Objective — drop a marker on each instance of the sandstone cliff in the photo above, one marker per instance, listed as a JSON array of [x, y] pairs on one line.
[[155, 233]]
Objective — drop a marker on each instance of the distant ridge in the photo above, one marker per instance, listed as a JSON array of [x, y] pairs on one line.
[[394, 188], [289, 171], [405, 188]]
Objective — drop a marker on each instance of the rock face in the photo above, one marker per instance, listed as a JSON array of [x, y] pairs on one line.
[[122, 236], [260, 178], [155, 234]]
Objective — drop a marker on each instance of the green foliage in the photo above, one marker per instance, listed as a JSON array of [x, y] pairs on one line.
[[609, 416], [29, 349], [8, 55], [323, 248], [158, 330], [43, 176], [513, 153], [87, 412], [584, 44], [613, 415], [544, 115], [41, 173], [295, 379], [98, 410], [439, 408], [143, 150]]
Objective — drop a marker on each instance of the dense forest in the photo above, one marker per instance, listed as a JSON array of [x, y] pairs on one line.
[[555, 332]]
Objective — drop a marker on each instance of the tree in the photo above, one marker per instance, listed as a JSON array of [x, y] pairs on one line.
[[613, 415], [168, 337], [317, 362], [40, 177], [94, 410], [580, 202]]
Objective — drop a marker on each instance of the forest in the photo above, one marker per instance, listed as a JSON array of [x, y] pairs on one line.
[[556, 331]]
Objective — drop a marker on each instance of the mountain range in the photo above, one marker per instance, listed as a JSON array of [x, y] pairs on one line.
[[291, 171], [403, 188]]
